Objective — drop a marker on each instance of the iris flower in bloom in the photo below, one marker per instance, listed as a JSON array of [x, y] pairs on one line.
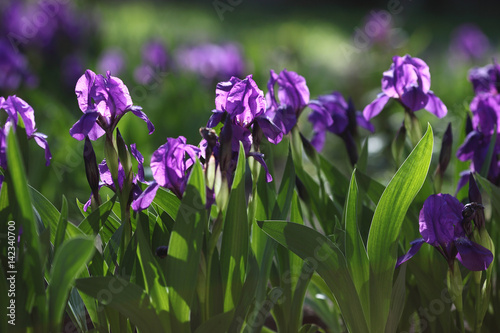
[[281, 116], [170, 164], [485, 109], [408, 80], [469, 42], [103, 101], [107, 179], [441, 226], [333, 114], [155, 61], [15, 108], [238, 103]]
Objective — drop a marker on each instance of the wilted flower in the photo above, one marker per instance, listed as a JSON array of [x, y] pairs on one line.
[[333, 114], [170, 164], [408, 80], [281, 116], [211, 61], [441, 226], [469, 42], [103, 101]]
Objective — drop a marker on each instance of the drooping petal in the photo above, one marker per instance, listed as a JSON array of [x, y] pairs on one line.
[[270, 96], [361, 121], [137, 111], [472, 255], [140, 160], [41, 140], [215, 118], [471, 143], [85, 125], [435, 105], [145, 199], [415, 246], [260, 158], [375, 107], [14, 105], [320, 118], [271, 131]]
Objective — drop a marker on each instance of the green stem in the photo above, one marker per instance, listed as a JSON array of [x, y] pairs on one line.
[[461, 321]]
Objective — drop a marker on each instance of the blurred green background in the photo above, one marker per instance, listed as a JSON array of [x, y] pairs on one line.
[[322, 41]]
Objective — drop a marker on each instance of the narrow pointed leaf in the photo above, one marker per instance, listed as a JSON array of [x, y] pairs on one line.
[[66, 267], [386, 227], [330, 264], [235, 245]]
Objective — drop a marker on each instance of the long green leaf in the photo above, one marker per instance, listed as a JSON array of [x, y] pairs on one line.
[[61, 225], [183, 258], [386, 226], [68, 262], [327, 260], [125, 297], [355, 251], [153, 275], [235, 244]]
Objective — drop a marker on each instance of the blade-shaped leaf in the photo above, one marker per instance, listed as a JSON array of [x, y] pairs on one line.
[[355, 251], [184, 250], [61, 225], [68, 262], [327, 260], [235, 244], [127, 298], [386, 226]]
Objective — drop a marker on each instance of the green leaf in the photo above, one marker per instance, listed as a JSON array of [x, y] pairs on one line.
[[167, 201], [492, 191], [355, 251], [61, 225], [491, 149], [66, 267], [96, 222], [369, 186], [397, 301], [328, 261], [235, 238], [386, 226], [125, 297], [218, 323], [183, 258], [154, 279]]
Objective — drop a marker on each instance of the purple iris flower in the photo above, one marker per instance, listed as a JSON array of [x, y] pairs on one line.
[[103, 101], [171, 166], [485, 79], [238, 103], [281, 116], [15, 108], [107, 179], [333, 114], [441, 226], [211, 61], [469, 42], [408, 80], [485, 109]]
